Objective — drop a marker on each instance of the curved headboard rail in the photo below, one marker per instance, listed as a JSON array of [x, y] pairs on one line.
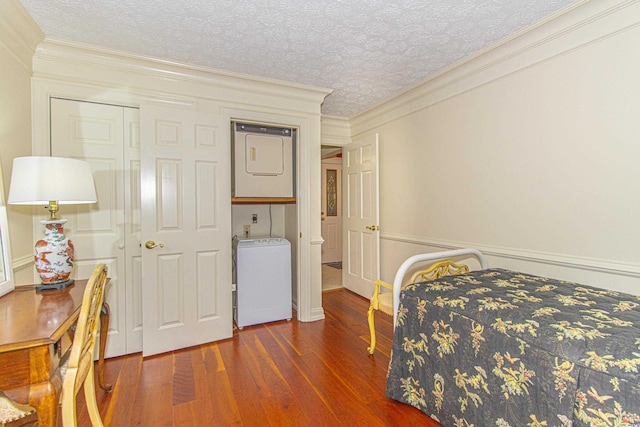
[[433, 256]]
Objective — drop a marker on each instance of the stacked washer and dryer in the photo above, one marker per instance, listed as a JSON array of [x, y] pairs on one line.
[[263, 167]]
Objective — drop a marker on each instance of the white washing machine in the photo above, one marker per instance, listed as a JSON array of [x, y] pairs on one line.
[[263, 280]]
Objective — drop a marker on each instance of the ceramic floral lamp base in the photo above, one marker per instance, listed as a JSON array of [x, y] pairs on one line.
[[54, 256]]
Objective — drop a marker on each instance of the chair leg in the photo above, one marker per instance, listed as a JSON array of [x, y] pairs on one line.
[[68, 408], [90, 398], [372, 329]]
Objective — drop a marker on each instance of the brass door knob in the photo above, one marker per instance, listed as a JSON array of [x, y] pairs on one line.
[[151, 244], [372, 227]]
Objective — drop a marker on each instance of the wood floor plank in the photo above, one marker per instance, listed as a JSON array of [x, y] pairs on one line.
[[331, 386], [201, 408], [215, 391], [246, 391], [115, 407], [183, 380], [279, 403], [276, 374], [154, 396], [314, 408], [185, 414], [225, 405], [341, 400]]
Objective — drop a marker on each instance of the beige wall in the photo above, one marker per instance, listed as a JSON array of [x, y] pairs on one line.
[[529, 152], [269, 219], [18, 37]]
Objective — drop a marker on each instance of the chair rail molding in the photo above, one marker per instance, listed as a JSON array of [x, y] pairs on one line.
[[562, 260]]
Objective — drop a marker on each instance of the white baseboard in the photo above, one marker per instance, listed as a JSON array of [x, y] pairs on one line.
[[317, 314]]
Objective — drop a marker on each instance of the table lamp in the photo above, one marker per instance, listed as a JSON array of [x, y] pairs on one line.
[[52, 181]]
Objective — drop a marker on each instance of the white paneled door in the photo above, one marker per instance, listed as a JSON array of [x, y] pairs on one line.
[[361, 235], [107, 137], [186, 228], [331, 205]]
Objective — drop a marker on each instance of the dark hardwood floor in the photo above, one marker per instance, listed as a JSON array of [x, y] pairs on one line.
[[278, 374]]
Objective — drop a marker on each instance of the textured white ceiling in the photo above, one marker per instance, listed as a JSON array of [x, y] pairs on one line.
[[365, 50]]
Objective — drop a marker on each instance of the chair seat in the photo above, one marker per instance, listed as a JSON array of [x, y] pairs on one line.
[[13, 411], [385, 301]]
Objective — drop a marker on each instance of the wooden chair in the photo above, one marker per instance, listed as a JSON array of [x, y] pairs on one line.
[[79, 370], [383, 301], [16, 414]]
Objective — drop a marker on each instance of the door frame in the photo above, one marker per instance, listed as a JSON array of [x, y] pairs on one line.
[[308, 277]]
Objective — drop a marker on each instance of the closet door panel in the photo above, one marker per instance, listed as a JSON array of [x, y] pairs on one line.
[[96, 133], [132, 228]]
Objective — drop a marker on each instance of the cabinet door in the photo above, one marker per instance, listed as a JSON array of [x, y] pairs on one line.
[[186, 213], [106, 136]]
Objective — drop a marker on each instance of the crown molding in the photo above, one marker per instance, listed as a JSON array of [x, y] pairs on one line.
[[580, 24], [76, 62], [335, 130], [18, 31]]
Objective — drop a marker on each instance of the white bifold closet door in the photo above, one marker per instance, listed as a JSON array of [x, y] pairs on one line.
[[108, 137], [178, 194]]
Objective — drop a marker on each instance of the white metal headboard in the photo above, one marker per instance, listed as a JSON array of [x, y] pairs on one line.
[[433, 256]]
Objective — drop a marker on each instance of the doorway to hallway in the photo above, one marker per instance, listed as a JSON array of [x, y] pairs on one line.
[[331, 217], [331, 277]]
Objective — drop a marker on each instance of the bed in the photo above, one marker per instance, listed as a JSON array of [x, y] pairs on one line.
[[493, 347]]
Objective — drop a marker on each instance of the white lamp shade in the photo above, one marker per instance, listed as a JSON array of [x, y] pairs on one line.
[[38, 180]]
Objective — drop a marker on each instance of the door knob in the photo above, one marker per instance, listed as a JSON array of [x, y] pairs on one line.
[[151, 244], [372, 227], [322, 218]]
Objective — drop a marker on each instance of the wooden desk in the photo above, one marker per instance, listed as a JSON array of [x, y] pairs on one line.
[[36, 331]]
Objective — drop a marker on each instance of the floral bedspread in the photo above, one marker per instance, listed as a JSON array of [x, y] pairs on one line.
[[500, 348]]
